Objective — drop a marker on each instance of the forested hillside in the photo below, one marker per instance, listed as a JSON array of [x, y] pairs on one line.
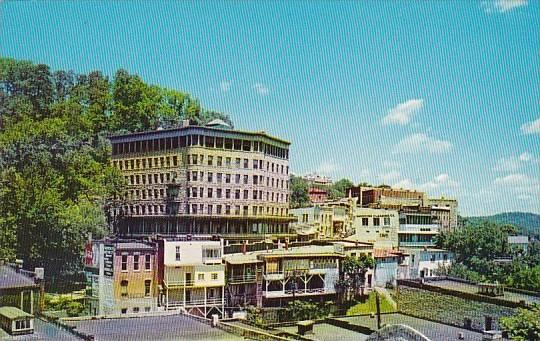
[[528, 223], [54, 154]]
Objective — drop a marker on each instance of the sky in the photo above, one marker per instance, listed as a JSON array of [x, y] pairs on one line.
[[438, 96]]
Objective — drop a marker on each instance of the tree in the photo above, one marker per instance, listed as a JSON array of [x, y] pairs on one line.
[[299, 192], [524, 325], [338, 189], [354, 271]]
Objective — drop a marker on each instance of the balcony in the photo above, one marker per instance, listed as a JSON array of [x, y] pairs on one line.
[[195, 303], [419, 228], [274, 276], [180, 283], [299, 292], [248, 278]]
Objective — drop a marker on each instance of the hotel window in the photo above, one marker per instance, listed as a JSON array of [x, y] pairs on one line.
[[209, 209], [227, 209], [200, 277], [386, 221], [124, 288], [255, 179], [376, 221], [194, 176], [219, 177], [246, 163], [135, 310], [246, 194], [194, 209], [227, 178], [237, 210], [211, 292], [147, 286], [210, 176], [124, 310], [210, 192], [254, 210], [228, 162], [175, 160], [245, 212], [177, 253], [193, 159], [146, 309], [194, 192], [237, 162], [227, 193], [124, 262], [219, 161], [214, 277], [218, 209], [246, 179], [210, 160], [255, 164], [254, 195], [201, 190], [147, 263], [136, 262], [218, 193], [237, 194], [237, 178]]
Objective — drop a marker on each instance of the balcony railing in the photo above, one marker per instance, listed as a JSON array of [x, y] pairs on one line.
[[195, 303], [298, 292], [181, 283], [242, 278]]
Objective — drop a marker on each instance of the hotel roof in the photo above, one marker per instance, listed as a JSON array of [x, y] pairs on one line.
[[291, 252], [191, 129]]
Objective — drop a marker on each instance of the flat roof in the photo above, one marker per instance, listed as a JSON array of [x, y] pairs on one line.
[[291, 252], [170, 327], [10, 279], [13, 313], [179, 131]]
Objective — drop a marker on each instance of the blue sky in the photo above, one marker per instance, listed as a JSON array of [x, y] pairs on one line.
[[437, 96]]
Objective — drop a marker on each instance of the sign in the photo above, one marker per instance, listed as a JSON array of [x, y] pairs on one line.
[[108, 260], [88, 254]]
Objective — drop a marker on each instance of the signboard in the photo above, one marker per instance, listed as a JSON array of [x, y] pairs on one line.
[[88, 254], [108, 260]]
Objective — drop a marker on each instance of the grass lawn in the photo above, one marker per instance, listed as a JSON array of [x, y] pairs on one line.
[[369, 306]]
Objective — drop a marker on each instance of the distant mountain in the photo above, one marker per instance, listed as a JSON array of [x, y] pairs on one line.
[[529, 223]]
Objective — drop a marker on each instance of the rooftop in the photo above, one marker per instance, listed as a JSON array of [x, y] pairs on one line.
[[10, 279], [171, 327], [13, 313], [291, 252]]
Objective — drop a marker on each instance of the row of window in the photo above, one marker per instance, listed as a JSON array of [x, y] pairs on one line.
[[136, 310], [203, 209], [238, 178], [172, 143], [147, 163], [220, 161], [136, 262], [376, 221], [125, 292], [227, 193], [236, 210]]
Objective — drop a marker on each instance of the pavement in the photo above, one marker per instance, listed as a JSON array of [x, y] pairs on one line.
[[172, 327], [328, 332]]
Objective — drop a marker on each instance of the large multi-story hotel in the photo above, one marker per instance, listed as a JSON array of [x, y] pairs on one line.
[[202, 180]]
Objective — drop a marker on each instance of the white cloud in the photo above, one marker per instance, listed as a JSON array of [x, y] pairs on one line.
[[421, 143], [507, 165], [502, 6], [511, 180], [403, 112], [532, 127], [327, 167], [261, 89], [439, 184], [390, 177], [514, 163], [225, 86]]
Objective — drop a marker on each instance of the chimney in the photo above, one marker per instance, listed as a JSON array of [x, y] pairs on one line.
[[185, 123], [18, 264]]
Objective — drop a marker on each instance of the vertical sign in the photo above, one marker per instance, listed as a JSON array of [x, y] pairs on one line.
[[108, 260]]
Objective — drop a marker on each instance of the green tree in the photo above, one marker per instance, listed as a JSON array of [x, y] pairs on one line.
[[299, 192], [338, 189], [524, 325], [354, 271]]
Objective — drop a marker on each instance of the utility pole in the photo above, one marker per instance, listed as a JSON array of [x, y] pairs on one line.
[[378, 306]]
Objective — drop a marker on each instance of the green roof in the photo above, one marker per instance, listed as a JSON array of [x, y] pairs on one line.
[[13, 313]]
